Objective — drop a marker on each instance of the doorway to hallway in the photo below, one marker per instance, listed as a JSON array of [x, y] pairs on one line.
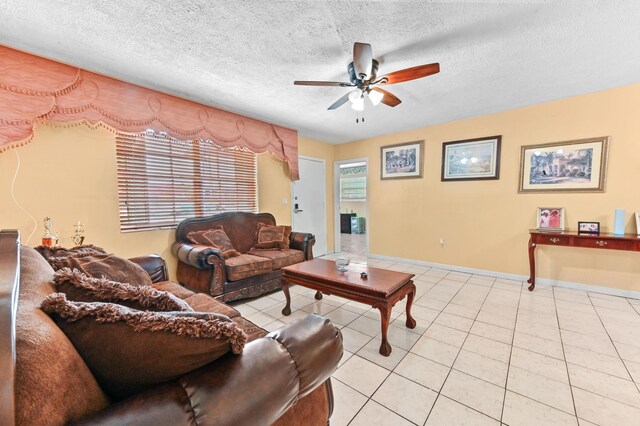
[[352, 208]]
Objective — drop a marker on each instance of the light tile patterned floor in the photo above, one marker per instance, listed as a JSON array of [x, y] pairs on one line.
[[485, 352]]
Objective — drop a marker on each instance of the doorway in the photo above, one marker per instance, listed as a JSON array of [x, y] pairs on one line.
[[351, 204], [308, 202]]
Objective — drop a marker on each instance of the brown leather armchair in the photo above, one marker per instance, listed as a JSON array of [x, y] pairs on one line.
[[204, 269], [281, 378]]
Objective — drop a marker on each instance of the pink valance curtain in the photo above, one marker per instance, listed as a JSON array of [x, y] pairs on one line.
[[34, 89]]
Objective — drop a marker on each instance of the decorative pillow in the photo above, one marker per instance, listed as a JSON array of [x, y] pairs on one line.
[[94, 262], [272, 237], [80, 287], [129, 351], [215, 238]]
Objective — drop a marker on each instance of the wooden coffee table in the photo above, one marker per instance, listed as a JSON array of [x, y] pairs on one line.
[[381, 290]]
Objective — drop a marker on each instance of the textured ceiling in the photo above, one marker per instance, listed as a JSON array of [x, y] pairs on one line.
[[243, 56]]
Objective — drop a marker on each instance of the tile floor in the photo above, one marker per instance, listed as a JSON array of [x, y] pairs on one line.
[[355, 245], [485, 352]]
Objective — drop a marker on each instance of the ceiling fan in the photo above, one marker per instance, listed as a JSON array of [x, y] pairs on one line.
[[363, 75]]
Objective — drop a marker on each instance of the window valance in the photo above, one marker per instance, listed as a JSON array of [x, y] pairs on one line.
[[34, 89]]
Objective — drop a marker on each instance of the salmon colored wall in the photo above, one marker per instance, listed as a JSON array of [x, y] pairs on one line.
[[69, 174], [485, 223]]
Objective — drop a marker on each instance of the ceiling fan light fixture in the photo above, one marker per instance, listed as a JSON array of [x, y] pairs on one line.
[[355, 96], [375, 97]]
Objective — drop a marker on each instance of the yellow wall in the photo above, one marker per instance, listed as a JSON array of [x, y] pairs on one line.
[[357, 207], [485, 223], [69, 174], [274, 188]]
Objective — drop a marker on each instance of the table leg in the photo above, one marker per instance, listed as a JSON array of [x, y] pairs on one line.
[[385, 316], [285, 290], [532, 265], [411, 323], [318, 295]]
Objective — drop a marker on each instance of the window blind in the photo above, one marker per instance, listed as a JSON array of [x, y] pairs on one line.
[[353, 188], [162, 181]]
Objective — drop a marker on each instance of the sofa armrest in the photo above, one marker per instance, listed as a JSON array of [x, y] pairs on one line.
[[254, 388], [196, 255], [304, 242], [154, 265], [200, 268]]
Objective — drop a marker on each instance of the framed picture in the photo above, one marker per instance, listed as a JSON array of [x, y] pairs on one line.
[[588, 227], [637, 215], [471, 159], [572, 166], [401, 161], [551, 218]]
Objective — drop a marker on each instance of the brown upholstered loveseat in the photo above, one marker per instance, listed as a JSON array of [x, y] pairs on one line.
[[281, 378], [204, 269]]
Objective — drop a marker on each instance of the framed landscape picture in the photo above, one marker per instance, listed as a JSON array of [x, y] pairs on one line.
[[471, 159], [572, 166], [401, 161]]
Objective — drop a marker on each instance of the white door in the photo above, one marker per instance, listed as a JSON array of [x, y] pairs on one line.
[[308, 198]]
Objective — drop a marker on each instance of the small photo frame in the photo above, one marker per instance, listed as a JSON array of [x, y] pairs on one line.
[[589, 228], [401, 161], [550, 219], [637, 215], [471, 159]]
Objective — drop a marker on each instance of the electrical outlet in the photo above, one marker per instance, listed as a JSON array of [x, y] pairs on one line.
[[442, 242]]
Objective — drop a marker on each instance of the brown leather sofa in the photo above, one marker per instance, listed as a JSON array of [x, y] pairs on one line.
[[281, 378], [204, 269]]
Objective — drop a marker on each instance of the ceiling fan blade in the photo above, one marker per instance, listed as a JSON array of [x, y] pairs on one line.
[[362, 60], [339, 102], [322, 83], [388, 98], [408, 74]]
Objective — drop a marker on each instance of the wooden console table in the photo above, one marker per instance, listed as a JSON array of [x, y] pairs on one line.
[[627, 242]]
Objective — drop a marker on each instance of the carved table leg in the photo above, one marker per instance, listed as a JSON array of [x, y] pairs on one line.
[[411, 323], [532, 265], [285, 290], [385, 316], [318, 295]]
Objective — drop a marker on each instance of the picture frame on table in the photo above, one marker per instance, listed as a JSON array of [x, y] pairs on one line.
[[402, 161], [589, 228], [570, 166], [550, 219], [637, 215], [471, 159]]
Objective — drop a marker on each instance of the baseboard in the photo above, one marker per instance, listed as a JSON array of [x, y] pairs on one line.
[[539, 281]]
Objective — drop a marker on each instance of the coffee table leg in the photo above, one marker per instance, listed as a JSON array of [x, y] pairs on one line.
[[411, 323], [385, 316], [285, 290], [318, 295]]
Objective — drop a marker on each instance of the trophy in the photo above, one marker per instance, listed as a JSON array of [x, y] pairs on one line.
[[49, 239], [77, 238]]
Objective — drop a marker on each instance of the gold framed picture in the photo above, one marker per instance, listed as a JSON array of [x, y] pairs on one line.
[[570, 166]]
